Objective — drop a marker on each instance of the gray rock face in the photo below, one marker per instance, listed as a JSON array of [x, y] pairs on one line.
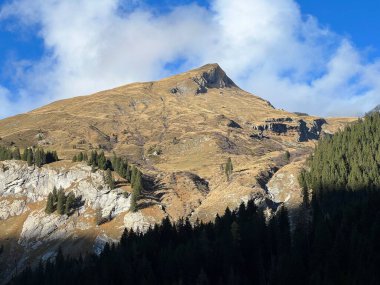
[[215, 77], [100, 243], [211, 77], [283, 125], [18, 180], [278, 126], [20, 185], [40, 227], [312, 132], [12, 208], [138, 222]]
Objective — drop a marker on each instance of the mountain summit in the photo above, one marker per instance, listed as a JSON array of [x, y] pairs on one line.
[[154, 109], [201, 79]]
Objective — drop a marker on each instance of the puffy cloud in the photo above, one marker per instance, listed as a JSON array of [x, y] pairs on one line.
[[267, 47]]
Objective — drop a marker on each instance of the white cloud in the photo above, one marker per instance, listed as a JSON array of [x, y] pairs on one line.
[[267, 47]]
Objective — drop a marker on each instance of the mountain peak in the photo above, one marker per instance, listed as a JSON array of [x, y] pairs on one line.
[[200, 80], [214, 76]]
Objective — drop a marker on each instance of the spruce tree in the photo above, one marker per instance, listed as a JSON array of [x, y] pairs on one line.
[[133, 206], [24, 156], [109, 179], [30, 158], [49, 204], [102, 161], [69, 202], [228, 168], [38, 158], [61, 202], [287, 156], [136, 190], [16, 154], [55, 195], [133, 175]]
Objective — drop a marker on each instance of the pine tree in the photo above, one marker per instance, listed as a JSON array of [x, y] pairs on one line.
[[102, 161], [61, 202], [287, 156], [229, 168], [136, 189], [137, 186], [69, 202], [25, 155], [109, 179], [55, 195], [38, 157], [133, 175], [133, 206], [50, 204], [16, 154], [30, 158]]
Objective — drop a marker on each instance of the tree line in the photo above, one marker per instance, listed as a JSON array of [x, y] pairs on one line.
[[33, 156]]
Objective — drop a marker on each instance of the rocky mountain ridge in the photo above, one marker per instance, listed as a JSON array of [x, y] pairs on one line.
[[179, 131]]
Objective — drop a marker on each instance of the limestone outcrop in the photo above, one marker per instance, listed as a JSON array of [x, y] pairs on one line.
[[9, 208]]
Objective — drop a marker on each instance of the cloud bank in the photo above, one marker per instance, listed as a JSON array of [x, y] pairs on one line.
[[267, 47]]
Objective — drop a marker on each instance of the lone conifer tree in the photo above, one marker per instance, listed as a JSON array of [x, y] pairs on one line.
[[133, 207], [229, 168], [287, 156], [137, 188]]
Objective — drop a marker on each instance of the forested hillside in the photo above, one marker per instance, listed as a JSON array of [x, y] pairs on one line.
[[334, 240], [350, 160]]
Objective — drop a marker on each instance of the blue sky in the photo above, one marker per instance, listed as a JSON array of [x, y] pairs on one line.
[[320, 57], [358, 20]]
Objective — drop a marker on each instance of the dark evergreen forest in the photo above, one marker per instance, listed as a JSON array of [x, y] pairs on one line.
[[334, 239], [33, 156]]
